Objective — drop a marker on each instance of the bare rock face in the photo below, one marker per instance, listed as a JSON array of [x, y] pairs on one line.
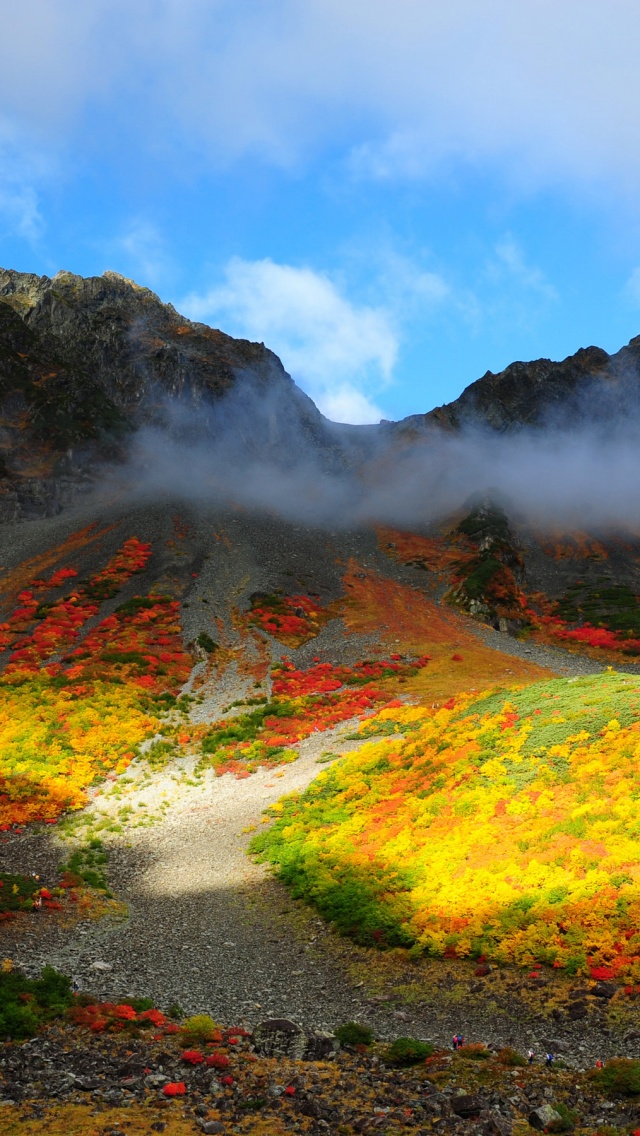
[[84, 363], [588, 386]]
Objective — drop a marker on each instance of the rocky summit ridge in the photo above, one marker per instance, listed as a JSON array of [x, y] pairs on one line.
[[86, 362]]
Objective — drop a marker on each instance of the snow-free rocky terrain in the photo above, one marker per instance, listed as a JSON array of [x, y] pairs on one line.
[[144, 619], [204, 926]]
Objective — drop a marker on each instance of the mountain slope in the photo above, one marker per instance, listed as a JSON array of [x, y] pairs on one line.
[[86, 362]]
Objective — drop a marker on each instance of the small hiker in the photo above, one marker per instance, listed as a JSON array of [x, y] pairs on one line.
[[549, 1060], [75, 986], [598, 1064], [460, 1040], [454, 1041], [531, 1056]]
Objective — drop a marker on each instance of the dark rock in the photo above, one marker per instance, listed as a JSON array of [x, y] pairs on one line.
[[604, 989], [87, 1084], [212, 1127], [492, 1124], [466, 1105], [279, 1037], [543, 1116], [313, 1107], [320, 1046], [83, 362], [577, 1010]]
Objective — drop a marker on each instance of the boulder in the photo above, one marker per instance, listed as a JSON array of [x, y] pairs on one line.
[[320, 1046], [543, 1116], [279, 1037], [492, 1124], [604, 989], [466, 1105]]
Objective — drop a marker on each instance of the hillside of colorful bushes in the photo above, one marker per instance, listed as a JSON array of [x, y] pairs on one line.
[[74, 708], [302, 703], [500, 827]]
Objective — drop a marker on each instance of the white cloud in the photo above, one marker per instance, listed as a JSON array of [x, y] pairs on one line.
[[551, 89], [338, 351]]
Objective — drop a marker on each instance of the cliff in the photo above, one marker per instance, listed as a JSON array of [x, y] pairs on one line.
[[85, 362]]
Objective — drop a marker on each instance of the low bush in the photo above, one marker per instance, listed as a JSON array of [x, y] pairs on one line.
[[351, 1033], [205, 641], [619, 1075], [510, 1057], [567, 1119], [409, 1051], [16, 893], [27, 1003], [198, 1030], [476, 1052], [88, 865]]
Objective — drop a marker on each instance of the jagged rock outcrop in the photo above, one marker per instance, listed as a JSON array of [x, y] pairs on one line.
[[586, 387], [84, 362]]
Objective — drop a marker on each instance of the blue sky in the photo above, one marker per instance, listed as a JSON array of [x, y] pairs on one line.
[[394, 195]]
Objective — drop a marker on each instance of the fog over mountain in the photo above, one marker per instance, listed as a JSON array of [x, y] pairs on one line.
[[104, 386]]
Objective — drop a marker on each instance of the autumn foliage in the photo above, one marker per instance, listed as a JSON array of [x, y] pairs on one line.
[[503, 828], [303, 702], [74, 708]]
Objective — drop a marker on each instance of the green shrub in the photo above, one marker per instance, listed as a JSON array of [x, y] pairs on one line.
[[205, 641], [88, 865], [159, 753], [198, 1030], [567, 1119], [351, 1033], [17, 891], [619, 1075], [409, 1051], [27, 1003]]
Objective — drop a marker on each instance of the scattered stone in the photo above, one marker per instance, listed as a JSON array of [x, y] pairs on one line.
[[87, 1084], [101, 966], [212, 1127]]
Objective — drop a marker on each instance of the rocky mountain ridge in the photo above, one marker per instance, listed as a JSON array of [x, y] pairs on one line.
[[587, 386], [86, 362]]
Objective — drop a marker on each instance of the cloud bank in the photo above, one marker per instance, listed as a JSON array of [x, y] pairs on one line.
[[250, 451], [551, 91]]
